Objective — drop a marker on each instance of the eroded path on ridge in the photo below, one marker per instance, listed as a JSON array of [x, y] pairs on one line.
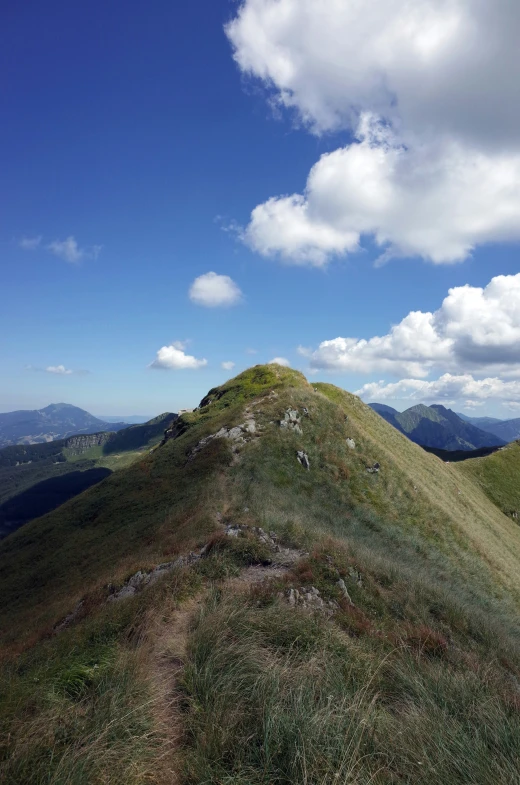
[[169, 654]]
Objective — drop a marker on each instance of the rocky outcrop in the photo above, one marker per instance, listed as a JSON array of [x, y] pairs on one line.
[[237, 435], [142, 579], [291, 421], [373, 469], [309, 597], [80, 444], [303, 458], [351, 444]]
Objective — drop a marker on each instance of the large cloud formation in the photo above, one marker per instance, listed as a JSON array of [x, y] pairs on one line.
[[427, 90], [448, 387], [476, 330]]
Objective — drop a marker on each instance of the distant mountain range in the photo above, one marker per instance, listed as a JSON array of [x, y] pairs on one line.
[[505, 429], [57, 421], [131, 419], [441, 428]]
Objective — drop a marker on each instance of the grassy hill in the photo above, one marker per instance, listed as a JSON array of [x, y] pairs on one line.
[[367, 632], [499, 477]]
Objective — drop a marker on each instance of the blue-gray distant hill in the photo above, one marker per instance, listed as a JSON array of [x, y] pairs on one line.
[[438, 427], [504, 429], [57, 421]]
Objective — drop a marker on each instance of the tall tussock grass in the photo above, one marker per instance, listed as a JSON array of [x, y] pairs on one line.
[[282, 696]]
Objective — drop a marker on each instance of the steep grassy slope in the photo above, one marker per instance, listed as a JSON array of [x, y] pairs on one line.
[[414, 679], [498, 475]]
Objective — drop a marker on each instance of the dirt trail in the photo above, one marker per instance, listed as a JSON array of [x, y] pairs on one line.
[[169, 656]]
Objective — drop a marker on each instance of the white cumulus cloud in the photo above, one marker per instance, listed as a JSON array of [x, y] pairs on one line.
[[448, 387], [71, 252], [212, 290], [280, 361], [434, 201], [228, 365], [475, 329], [173, 357], [426, 88]]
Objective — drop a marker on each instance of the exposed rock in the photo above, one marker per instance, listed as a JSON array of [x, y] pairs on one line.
[[351, 443], [303, 458], [237, 435], [291, 421], [344, 591], [310, 598], [140, 579], [123, 594], [373, 469], [69, 619], [83, 442]]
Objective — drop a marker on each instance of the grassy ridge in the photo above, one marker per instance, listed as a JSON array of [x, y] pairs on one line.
[[498, 476], [414, 682]]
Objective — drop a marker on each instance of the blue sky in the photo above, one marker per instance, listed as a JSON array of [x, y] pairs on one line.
[[148, 135]]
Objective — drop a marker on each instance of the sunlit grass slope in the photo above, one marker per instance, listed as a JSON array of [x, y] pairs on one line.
[[499, 477], [416, 681]]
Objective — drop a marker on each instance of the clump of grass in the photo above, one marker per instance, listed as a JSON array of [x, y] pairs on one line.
[[279, 696]]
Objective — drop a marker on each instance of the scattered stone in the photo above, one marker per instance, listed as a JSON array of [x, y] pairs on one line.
[[303, 458], [356, 576], [122, 594], [344, 591], [238, 435], [351, 443], [309, 598], [305, 411], [373, 469], [69, 619], [291, 421], [140, 579]]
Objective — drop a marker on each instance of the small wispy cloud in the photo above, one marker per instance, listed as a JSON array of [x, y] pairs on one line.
[[71, 252], [30, 243], [57, 370], [228, 365]]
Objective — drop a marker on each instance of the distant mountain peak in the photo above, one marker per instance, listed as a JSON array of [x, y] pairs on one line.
[[438, 427]]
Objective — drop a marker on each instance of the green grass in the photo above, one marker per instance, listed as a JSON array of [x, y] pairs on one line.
[[281, 696], [498, 476], [417, 682]]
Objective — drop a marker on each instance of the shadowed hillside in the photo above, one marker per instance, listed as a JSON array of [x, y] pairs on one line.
[[286, 590], [37, 478], [438, 428]]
